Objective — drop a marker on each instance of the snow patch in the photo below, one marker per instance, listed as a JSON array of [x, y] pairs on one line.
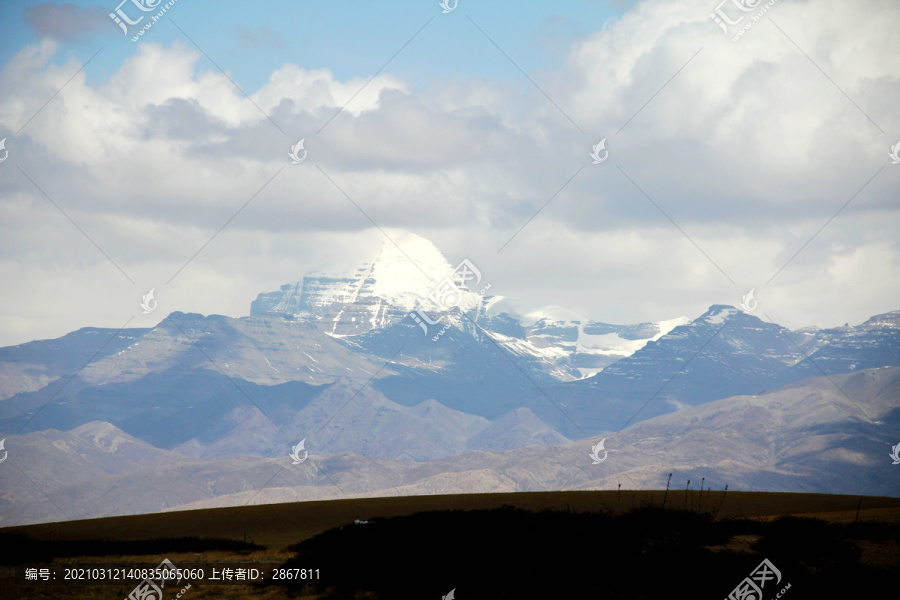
[[666, 326], [270, 364], [720, 317]]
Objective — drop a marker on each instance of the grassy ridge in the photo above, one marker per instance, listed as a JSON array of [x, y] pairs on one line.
[[280, 525]]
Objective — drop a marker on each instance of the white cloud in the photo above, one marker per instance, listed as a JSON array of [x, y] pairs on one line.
[[750, 150]]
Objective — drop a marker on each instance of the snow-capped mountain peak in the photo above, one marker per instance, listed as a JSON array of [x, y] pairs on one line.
[[402, 275], [406, 271]]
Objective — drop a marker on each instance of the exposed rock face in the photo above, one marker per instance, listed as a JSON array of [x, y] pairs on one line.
[[846, 349]]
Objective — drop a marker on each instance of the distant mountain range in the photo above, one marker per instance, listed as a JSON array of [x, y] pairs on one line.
[[824, 435], [372, 367]]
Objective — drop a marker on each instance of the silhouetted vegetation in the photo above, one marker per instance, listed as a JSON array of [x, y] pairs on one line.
[[18, 549], [647, 553]]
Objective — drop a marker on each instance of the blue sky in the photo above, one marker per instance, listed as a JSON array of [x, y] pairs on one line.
[[350, 38]]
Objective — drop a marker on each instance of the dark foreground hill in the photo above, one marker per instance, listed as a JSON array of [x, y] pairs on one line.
[[651, 552], [628, 544]]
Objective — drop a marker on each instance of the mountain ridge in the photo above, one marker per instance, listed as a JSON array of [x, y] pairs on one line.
[[807, 436]]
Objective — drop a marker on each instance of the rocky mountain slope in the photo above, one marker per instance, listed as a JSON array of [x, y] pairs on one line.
[[828, 435]]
